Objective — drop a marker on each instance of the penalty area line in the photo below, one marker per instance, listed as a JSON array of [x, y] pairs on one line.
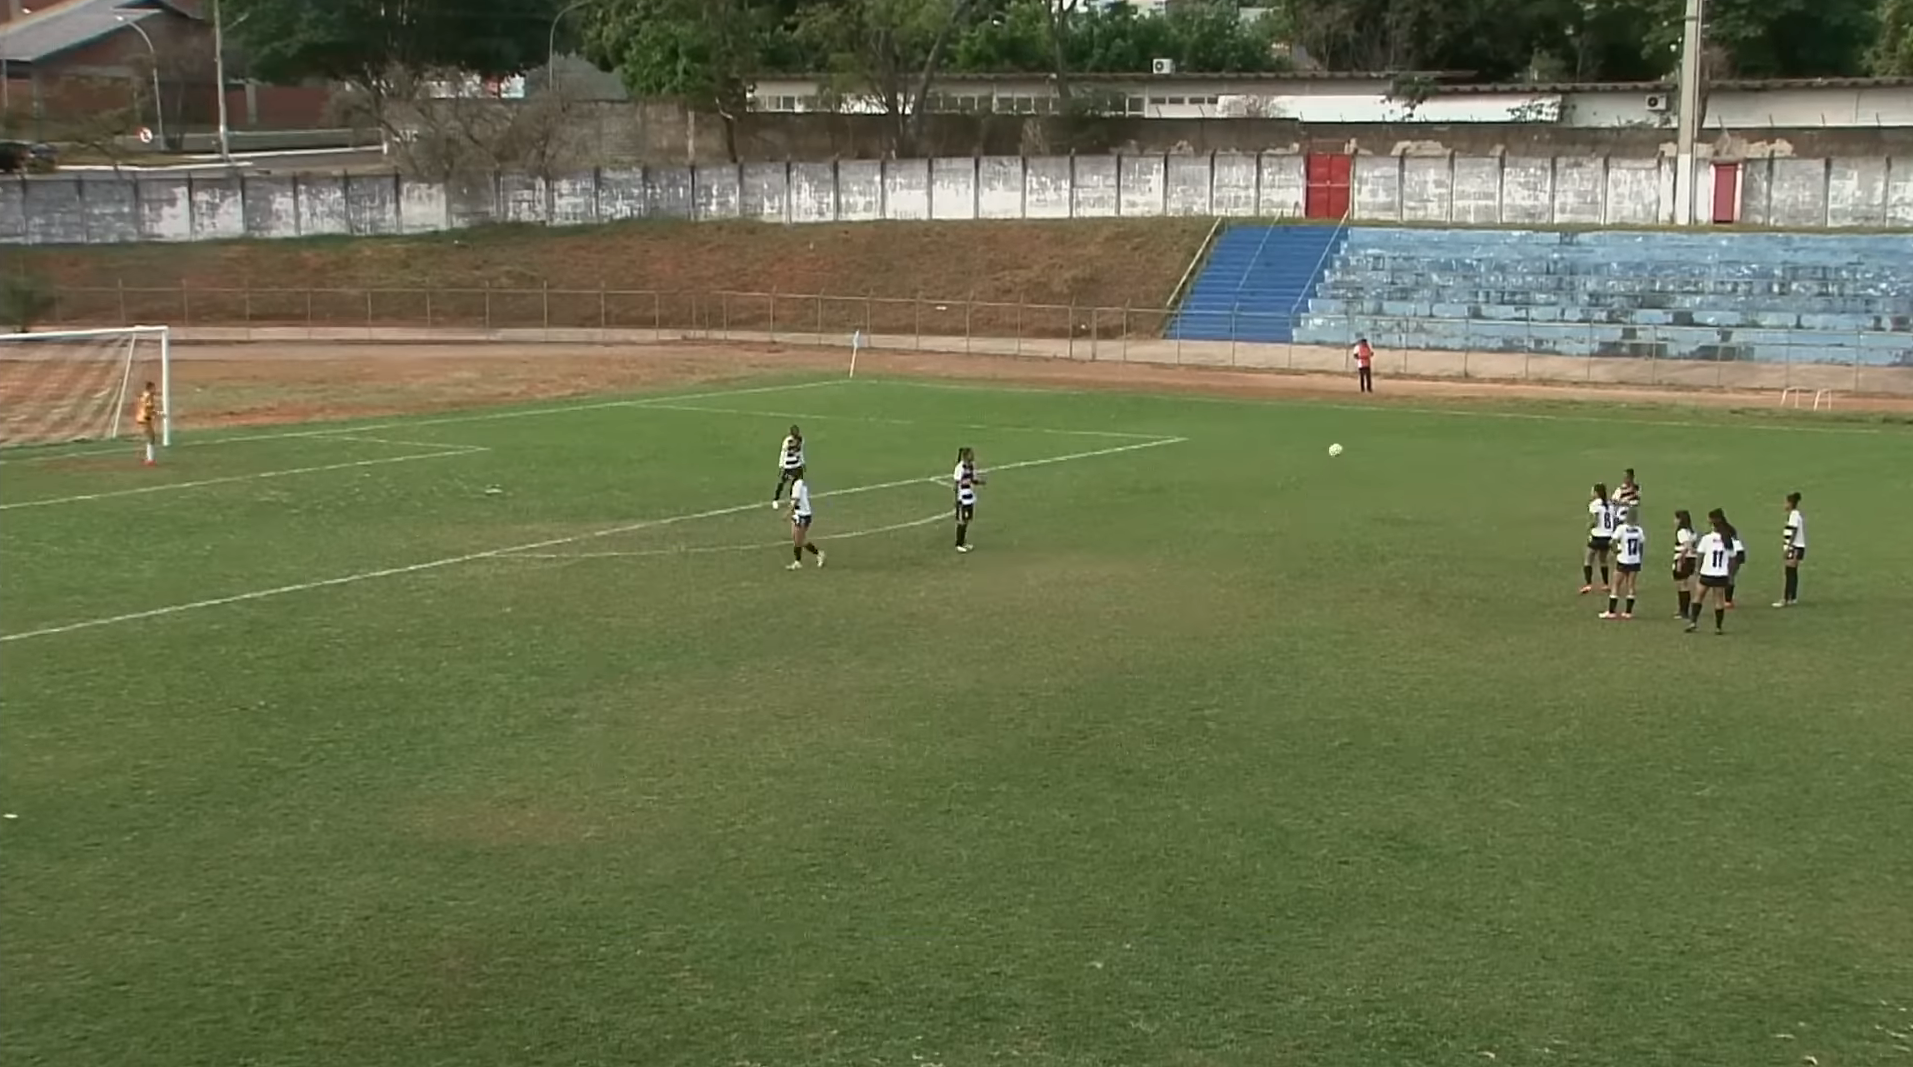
[[536, 546], [442, 453], [1114, 435]]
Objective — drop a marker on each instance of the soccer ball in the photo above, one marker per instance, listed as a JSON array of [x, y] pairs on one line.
[[1335, 450]]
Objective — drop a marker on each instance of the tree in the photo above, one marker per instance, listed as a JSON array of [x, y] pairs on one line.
[[1892, 52], [361, 41], [1762, 38], [705, 53], [25, 299], [890, 50]]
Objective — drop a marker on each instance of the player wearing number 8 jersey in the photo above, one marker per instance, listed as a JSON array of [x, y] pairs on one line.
[[965, 479], [1630, 548], [1602, 520], [1715, 555]]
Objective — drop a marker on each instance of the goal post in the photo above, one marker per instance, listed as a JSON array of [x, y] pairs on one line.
[[65, 386]]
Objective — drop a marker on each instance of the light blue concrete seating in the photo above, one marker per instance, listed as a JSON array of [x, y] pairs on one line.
[[1776, 297]]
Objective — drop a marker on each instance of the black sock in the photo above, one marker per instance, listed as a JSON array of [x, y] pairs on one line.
[[812, 549], [1720, 616], [963, 533], [1587, 575], [1730, 594], [1603, 575], [1630, 605], [1612, 604], [797, 553], [1687, 598], [1693, 614], [1793, 585]]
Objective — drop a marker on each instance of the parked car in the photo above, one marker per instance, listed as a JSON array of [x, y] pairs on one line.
[[27, 157]]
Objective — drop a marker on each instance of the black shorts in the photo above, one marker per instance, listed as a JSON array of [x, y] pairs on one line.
[[790, 474], [1795, 555], [965, 512], [802, 522], [1628, 568], [1712, 582], [1600, 544]]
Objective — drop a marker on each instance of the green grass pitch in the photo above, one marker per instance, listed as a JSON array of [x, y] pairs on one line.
[[1217, 751]]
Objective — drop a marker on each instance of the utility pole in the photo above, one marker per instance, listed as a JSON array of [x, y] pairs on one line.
[[1690, 116], [219, 75]]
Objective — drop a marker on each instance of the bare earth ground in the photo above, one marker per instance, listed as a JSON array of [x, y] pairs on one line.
[[235, 385]]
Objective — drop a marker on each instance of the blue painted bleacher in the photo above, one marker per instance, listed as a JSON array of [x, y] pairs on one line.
[[1760, 296], [1256, 281]]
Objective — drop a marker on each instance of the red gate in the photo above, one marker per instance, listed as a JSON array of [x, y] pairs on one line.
[[1328, 178]]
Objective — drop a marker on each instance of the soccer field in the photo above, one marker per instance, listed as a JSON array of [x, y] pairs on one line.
[[503, 738]]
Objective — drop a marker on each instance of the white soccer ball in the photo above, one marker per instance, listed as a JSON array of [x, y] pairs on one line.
[[1335, 450]]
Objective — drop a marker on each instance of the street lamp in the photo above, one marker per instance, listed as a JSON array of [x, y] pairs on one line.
[[551, 41], [159, 105]]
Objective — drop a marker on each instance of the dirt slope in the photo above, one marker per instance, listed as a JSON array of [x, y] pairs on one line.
[[1111, 263]]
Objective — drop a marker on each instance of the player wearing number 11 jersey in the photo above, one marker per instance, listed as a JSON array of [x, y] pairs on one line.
[[1630, 548], [1715, 553], [965, 479]]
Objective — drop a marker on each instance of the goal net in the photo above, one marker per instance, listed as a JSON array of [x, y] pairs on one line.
[[80, 385]]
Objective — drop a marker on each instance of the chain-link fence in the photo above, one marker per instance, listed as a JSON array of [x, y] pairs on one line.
[[1874, 362]]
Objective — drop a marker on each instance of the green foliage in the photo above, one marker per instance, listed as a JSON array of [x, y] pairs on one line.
[[25, 299], [1892, 52], [703, 52], [1761, 38], [360, 40]]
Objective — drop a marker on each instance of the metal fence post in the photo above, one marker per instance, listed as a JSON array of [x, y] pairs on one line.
[[657, 316], [1125, 350], [604, 311], [1019, 327], [1858, 339], [546, 308], [368, 312], [185, 304], [773, 313], [1235, 316], [1069, 329], [969, 309], [122, 288], [1095, 333], [428, 308], [917, 314], [308, 314], [724, 313], [488, 308]]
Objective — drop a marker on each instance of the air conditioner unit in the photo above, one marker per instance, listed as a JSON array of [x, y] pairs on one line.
[[1162, 66], [1659, 102]]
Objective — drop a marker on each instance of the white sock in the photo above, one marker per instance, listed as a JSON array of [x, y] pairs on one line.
[[149, 451]]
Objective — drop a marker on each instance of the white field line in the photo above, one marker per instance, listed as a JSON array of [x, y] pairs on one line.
[[829, 538], [1481, 412], [444, 452], [535, 546], [1117, 435], [442, 420]]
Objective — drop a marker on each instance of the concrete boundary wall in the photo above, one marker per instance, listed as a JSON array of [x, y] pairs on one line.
[[103, 208]]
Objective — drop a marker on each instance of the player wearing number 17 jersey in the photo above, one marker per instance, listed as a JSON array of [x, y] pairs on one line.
[[1630, 548], [965, 479]]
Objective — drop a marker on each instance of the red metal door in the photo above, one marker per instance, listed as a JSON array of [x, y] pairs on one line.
[[1726, 193], [1327, 186]]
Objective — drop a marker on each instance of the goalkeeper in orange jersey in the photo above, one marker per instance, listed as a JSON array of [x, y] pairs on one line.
[[146, 417]]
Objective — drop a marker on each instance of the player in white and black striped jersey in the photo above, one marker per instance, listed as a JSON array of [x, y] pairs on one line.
[[800, 519], [1793, 543], [964, 480], [790, 462], [1628, 493]]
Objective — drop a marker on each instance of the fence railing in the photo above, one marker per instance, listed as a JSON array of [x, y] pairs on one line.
[[1525, 351]]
